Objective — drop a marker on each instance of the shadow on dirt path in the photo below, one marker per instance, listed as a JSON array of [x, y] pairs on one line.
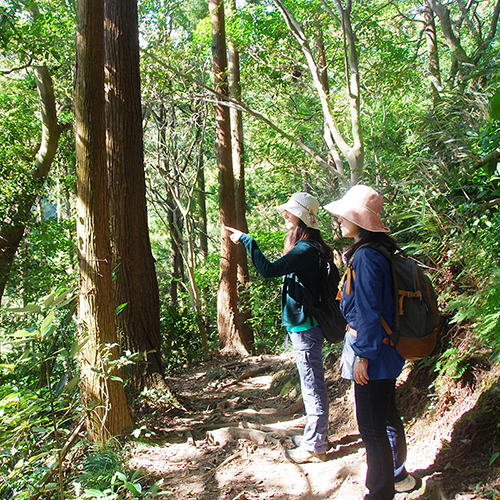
[[236, 418]]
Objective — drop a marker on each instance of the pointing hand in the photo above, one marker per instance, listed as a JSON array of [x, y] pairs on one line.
[[234, 234]]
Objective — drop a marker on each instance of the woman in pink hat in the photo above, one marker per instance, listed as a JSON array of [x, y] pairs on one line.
[[367, 357], [299, 267]]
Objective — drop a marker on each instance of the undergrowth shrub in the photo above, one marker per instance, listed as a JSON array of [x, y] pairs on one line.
[[38, 394], [181, 343], [101, 475]]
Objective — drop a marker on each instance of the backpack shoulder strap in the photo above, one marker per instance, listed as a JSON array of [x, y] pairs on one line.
[[351, 275], [348, 276]]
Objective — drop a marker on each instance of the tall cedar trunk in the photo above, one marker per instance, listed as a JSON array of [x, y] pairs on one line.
[[136, 285], [227, 306], [238, 150], [12, 230], [104, 397]]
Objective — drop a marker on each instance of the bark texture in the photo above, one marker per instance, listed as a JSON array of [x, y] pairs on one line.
[[135, 284], [227, 303], [102, 394], [238, 156]]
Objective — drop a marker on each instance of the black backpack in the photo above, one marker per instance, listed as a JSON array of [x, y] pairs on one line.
[[326, 309], [416, 315]]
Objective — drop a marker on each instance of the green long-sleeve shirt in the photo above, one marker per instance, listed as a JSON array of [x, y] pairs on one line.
[[300, 266]]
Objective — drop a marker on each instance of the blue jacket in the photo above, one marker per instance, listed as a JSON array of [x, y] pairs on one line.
[[300, 266], [371, 297]]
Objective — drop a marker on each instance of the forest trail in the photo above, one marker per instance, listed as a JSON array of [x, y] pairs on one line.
[[227, 439]]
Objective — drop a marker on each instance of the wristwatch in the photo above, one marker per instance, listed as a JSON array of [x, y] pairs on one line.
[[360, 360]]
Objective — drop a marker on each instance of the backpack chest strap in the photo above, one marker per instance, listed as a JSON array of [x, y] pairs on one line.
[[347, 278]]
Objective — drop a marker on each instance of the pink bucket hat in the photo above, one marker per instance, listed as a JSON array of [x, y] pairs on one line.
[[361, 205], [304, 206]]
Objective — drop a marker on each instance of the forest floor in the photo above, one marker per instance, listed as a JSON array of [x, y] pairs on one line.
[[236, 417]]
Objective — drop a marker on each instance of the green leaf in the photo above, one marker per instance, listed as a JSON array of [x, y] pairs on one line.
[[495, 107], [30, 308], [76, 347], [135, 489], [22, 334], [121, 476], [49, 300], [120, 308], [74, 381], [490, 167], [47, 322], [494, 457], [39, 429], [64, 298], [61, 385]]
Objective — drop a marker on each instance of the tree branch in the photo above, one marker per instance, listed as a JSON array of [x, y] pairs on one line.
[[299, 34], [60, 459], [494, 23], [50, 128], [228, 101], [494, 155], [451, 39], [4, 72]]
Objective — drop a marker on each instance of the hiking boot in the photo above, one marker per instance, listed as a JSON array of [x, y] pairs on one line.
[[407, 484], [296, 440], [301, 456]]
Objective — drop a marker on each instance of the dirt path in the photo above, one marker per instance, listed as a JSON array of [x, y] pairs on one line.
[[237, 417]]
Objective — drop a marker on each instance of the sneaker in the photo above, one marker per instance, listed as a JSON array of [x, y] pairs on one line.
[[301, 456], [407, 484]]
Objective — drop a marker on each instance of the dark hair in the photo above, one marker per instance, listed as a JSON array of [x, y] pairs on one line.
[[371, 238], [303, 232]]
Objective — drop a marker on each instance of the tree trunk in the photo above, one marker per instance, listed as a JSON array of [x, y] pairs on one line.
[[11, 232], [174, 215], [335, 162], [238, 156], [432, 52], [102, 394], [136, 285], [202, 197], [175, 227], [227, 306], [451, 39]]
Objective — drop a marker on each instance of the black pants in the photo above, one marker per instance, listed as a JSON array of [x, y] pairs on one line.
[[383, 435]]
